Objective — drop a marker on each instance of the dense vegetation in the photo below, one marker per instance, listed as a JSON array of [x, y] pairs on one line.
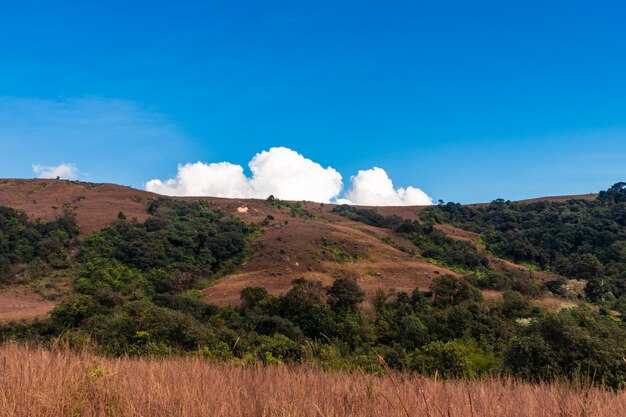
[[578, 239], [450, 331], [180, 245], [23, 242]]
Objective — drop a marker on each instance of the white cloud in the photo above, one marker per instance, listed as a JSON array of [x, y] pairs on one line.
[[280, 171], [288, 175], [221, 179], [373, 187], [65, 171]]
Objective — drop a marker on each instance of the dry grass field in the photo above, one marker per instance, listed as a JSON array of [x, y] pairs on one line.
[[50, 383]]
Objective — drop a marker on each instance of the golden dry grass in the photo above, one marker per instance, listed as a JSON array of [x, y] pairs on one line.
[[40, 383]]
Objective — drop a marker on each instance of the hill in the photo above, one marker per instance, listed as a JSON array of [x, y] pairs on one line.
[[290, 247], [447, 290]]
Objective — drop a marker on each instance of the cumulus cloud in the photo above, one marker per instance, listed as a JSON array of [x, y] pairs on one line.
[[221, 179], [288, 175], [373, 187], [65, 171], [281, 172]]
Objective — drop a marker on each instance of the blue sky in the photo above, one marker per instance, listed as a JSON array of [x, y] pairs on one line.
[[469, 101]]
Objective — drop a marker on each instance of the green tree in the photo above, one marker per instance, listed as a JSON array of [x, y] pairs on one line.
[[449, 290], [515, 305], [303, 294], [412, 333], [345, 295], [73, 310], [252, 297], [448, 359], [589, 268]]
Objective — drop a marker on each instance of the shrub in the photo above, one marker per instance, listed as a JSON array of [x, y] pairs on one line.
[[345, 295], [570, 343], [449, 291], [279, 348]]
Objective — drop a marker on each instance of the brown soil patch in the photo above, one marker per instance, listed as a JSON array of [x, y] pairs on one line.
[[562, 198], [18, 303], [552, 199], [550, 302], [556, 303]]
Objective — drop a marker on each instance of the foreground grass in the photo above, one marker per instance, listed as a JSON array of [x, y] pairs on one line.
[[37, 382]]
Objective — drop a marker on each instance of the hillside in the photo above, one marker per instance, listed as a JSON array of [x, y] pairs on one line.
[[522, 288], [289, 247]]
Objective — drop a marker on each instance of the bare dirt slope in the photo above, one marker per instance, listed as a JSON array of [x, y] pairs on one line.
[[325, 249], [17, 303]]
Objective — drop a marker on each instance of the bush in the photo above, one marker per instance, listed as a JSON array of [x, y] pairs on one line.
[[196, 308], [449, 291], [142, 327], [571, 343], [279, 348], [453, 359], [345, 295], [22, 241], [73, 310], [111, 274]]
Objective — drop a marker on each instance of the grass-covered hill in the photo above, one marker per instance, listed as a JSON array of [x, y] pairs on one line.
[[534, 289]]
